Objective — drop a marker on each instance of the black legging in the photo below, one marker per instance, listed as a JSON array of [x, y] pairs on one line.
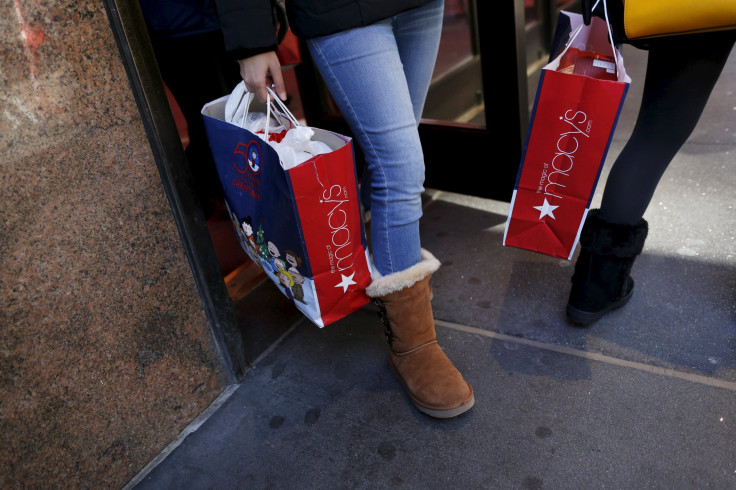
[[681, 74]]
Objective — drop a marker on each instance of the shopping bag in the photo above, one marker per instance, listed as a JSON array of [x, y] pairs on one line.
[[578, 101], [302, 225]]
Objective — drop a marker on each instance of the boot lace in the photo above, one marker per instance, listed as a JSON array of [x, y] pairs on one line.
[[384, 319]]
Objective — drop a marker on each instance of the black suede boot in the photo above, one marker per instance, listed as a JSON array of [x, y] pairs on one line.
[[601, 281]]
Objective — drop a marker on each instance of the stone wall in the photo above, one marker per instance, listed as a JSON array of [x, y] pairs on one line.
[[105, 351]]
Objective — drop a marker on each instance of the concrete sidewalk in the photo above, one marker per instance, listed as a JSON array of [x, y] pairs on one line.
[[644, 398]]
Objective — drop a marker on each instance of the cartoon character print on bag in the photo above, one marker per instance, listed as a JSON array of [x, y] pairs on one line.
[[285, 278], [295, 261], [262, 247], [249, 241], [273, 256], [286, 283], [269, 257]]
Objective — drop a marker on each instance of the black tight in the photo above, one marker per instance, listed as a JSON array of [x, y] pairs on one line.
[[681, 74]]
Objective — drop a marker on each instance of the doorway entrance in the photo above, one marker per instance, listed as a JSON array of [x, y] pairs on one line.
[[478, 107]]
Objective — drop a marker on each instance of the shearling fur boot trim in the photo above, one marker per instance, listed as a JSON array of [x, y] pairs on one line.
[[613, 239], [384, 285]]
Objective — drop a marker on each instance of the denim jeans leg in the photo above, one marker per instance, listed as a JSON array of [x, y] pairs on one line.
[[417, 33], [365, 73]]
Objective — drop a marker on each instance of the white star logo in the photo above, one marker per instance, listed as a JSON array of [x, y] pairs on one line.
[[546, 209], [346, 282]]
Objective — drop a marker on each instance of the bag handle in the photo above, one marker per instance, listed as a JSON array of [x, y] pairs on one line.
[[239, 98], [281, 110], [274, 106], [246, 98], [608, 25], [271, 97]]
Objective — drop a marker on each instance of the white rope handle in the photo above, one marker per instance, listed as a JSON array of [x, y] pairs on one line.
[[608, 25], [270, 98], [248, 97], [268, 114]]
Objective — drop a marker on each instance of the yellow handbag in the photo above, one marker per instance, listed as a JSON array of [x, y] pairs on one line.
[[656, 18]]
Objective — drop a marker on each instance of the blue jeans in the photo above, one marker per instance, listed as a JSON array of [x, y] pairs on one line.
[[379, 76]]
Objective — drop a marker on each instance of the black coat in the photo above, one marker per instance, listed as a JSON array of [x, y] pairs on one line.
[[176, 18], [249, 25]]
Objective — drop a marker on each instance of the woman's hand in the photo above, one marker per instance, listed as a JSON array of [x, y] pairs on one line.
[[261, 71]]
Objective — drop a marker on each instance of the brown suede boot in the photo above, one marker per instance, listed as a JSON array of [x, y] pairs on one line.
[[434, 385]]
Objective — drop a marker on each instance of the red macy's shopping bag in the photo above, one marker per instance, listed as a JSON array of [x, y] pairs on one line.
[[301, 225], [578, 102]]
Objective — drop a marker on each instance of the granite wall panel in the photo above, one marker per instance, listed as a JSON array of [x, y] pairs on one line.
[[105, 351]]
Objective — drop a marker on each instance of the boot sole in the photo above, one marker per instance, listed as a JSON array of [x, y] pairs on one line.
[[438, 414], [445, 414], [585, 318]]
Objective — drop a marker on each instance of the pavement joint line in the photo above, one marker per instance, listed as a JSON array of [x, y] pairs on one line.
[[230, 389], [672, 373]]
